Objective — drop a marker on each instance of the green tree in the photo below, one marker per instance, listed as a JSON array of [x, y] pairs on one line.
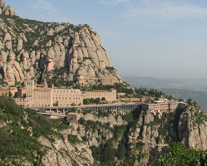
[[190, 101], [157, 98], [103, 98], [180, 100], [81, 120], [16, 95], [170, 97], [77, 86], [179, 155]]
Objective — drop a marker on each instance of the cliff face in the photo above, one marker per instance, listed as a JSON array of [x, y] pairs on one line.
[[99, 137], [32, 50], [192, 131], [146, 132], [68, 151], [153, 134], [150, 134]]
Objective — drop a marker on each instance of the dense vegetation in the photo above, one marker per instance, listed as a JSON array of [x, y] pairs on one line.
[[95, 101], [179, 155], [21, 129], [166, 123]]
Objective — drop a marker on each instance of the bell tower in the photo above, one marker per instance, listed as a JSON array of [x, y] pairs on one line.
[[29, 91]]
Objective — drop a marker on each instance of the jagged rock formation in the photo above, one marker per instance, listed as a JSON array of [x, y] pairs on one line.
[[145, 135], [7, 10], [192, 130], [99, 138], [94, 137], [40, 47], [154, 133], [64, 152]]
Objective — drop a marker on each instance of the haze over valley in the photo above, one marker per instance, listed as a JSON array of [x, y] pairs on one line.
[[195, 88]]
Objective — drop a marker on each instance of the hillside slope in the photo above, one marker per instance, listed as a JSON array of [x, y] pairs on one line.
[[34, 50], [27, 134]]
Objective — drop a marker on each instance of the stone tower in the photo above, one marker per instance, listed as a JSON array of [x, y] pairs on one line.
[[29, 91]]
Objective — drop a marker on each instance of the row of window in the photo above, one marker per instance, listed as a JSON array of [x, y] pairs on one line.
[[42, 97], [41, 105], [65, 91], [66, 98], [29, 83], [67, 95], [107, 94]]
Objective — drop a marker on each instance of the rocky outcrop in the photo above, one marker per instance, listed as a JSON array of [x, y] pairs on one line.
[[7, 10], [103, 130], [11, 69], [152, 133], [192, 130], [64, 152], [97, 134], [76, 49], [144, 135]]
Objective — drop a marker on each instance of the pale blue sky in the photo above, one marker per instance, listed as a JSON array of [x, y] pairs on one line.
[[160, 38]]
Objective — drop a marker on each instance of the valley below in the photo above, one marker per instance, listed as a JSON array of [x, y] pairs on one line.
[[176, 87]]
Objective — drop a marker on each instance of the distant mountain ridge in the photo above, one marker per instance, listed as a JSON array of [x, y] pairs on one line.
[[178, 88], [199, 84], [199, 96], [36, 50]]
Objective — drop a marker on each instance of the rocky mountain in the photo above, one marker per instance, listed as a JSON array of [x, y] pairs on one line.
[[71, 150], [145, 133], [6, 10], [141, 137], [154, 133], [26, 134], [33, 50]]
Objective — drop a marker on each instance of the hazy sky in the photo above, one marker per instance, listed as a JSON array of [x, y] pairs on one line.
[[160, 38]]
